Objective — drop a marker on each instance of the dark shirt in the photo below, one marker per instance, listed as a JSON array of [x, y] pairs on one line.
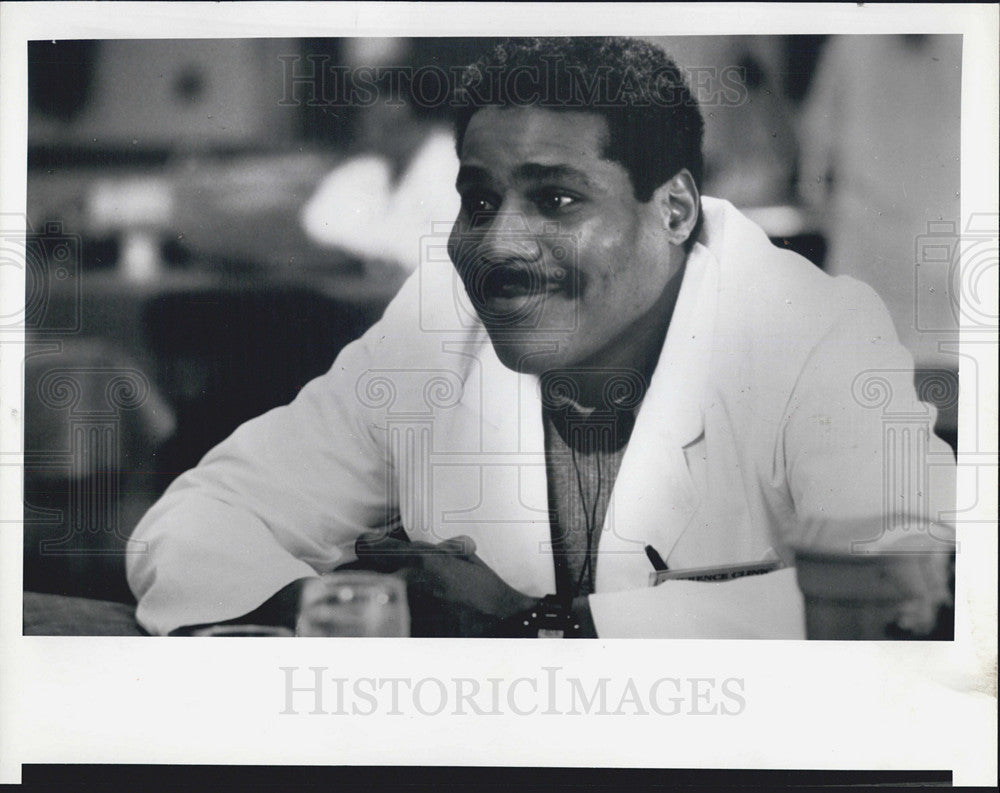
[[583, 452]]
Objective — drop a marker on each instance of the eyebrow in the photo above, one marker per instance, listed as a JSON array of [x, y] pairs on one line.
[[526, 172], [470, 173], [536, 172]]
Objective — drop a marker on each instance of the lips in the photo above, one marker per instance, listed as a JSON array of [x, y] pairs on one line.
[[510, 282]]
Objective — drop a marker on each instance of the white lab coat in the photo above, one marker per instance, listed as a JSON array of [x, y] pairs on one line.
[[773, 419]]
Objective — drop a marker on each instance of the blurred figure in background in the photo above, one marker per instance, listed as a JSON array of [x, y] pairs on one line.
[[399, 176], [879, 156], [749, 144]]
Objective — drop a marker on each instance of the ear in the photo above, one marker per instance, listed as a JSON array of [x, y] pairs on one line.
[[678, 204]]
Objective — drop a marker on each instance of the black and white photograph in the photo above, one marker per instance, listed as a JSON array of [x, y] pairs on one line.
[[330, 332]]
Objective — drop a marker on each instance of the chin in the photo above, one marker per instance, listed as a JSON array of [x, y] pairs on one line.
[[531, 356]]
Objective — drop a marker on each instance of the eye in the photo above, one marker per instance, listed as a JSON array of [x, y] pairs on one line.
[[554, 200], [478, 206]]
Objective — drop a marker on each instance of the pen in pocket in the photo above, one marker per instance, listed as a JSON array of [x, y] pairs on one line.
[[655, 559]]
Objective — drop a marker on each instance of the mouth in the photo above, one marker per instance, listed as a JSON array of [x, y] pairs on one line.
[[513, 282]]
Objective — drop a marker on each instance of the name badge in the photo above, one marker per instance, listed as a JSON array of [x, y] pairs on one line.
[[726, 572]]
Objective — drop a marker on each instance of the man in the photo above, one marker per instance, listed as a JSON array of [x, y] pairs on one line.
[[626, 372]]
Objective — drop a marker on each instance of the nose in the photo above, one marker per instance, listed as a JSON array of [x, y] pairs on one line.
[[506, 239]]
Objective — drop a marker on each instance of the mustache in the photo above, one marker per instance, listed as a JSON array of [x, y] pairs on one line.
[[483, 272], [488, 278]]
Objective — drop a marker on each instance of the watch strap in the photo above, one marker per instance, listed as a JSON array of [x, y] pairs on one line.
[[550, 618]]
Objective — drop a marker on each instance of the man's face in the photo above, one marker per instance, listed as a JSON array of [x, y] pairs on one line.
[[563, 264]]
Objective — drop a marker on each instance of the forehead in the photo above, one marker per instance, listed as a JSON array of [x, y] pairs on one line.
[[501, 138]]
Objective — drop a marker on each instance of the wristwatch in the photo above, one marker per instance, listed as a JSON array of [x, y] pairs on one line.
[[550, 618]]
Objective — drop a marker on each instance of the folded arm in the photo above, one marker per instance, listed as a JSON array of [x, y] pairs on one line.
[[280, 500]]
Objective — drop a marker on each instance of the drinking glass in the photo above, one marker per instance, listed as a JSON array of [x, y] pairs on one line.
[[865, 596], [242, 630], [354, 603]]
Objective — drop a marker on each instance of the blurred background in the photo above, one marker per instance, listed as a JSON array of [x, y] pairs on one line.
[[208, 229]]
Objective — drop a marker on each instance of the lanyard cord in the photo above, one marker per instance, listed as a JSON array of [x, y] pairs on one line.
[[589, 520]]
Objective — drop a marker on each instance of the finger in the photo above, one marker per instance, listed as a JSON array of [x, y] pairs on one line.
[[378, 541], [385, 554], [462, 545], [372, 543], [373, 536], [421, 585]]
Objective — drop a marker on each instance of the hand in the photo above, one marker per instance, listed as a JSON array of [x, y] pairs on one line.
[[926, 580], [452, 592]]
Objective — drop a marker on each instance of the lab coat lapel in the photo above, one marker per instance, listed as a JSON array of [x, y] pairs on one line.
[[499, 434], [654, 497]]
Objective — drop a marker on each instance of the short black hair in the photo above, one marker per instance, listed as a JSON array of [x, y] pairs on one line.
[[654, 124]]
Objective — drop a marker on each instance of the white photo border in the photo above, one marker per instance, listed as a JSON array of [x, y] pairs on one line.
[[820, 705]]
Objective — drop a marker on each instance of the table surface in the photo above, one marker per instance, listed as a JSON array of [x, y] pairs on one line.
[[58, 615]]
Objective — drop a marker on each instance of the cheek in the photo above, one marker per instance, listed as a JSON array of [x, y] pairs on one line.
[[612, 268], [454, 241], [461, 248]]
